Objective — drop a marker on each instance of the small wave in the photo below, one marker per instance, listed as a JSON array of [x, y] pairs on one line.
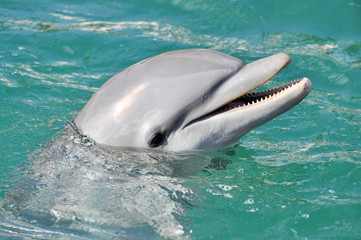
[[57, 79], [291, 43]]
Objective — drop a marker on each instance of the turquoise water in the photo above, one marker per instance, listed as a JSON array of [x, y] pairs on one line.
[[296, 177]]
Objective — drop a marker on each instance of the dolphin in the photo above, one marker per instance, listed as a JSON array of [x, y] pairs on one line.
[[197, 99], [182, 100]]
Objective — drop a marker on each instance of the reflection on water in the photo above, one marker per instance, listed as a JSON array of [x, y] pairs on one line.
[[78, 187]]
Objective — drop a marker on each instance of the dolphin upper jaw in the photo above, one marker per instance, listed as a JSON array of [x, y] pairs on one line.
[[247, 78]]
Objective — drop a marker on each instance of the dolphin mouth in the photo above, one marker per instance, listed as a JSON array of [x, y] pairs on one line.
[[254, 98]]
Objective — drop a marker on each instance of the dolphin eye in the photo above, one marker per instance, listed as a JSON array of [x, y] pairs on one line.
[[156, 140]]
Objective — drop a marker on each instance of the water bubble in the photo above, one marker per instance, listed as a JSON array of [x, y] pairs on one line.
[[228, 195], [249, 201], [253, 210], [213, 193], [225, 187]]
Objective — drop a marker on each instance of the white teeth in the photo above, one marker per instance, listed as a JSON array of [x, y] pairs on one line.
[[256, 97]]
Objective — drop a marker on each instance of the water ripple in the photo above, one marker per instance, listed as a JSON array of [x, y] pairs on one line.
[[292, 43]]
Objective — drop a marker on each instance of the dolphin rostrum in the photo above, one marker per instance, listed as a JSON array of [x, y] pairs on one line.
[[188, 100]]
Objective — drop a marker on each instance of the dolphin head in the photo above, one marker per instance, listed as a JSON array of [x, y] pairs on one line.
[[187, 100]]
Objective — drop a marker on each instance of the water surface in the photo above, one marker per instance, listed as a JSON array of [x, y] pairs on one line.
[[297, 176]]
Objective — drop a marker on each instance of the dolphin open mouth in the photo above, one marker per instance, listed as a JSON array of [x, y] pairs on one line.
[[238, 95], [254, 98], [251, 98]]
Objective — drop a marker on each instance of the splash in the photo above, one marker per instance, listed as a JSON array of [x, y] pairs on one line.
[[75, 186]]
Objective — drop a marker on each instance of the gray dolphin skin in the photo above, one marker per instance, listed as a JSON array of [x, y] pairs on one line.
[[194, 99]]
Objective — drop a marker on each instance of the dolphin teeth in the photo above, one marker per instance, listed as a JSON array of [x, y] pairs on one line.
[[251, 98]]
